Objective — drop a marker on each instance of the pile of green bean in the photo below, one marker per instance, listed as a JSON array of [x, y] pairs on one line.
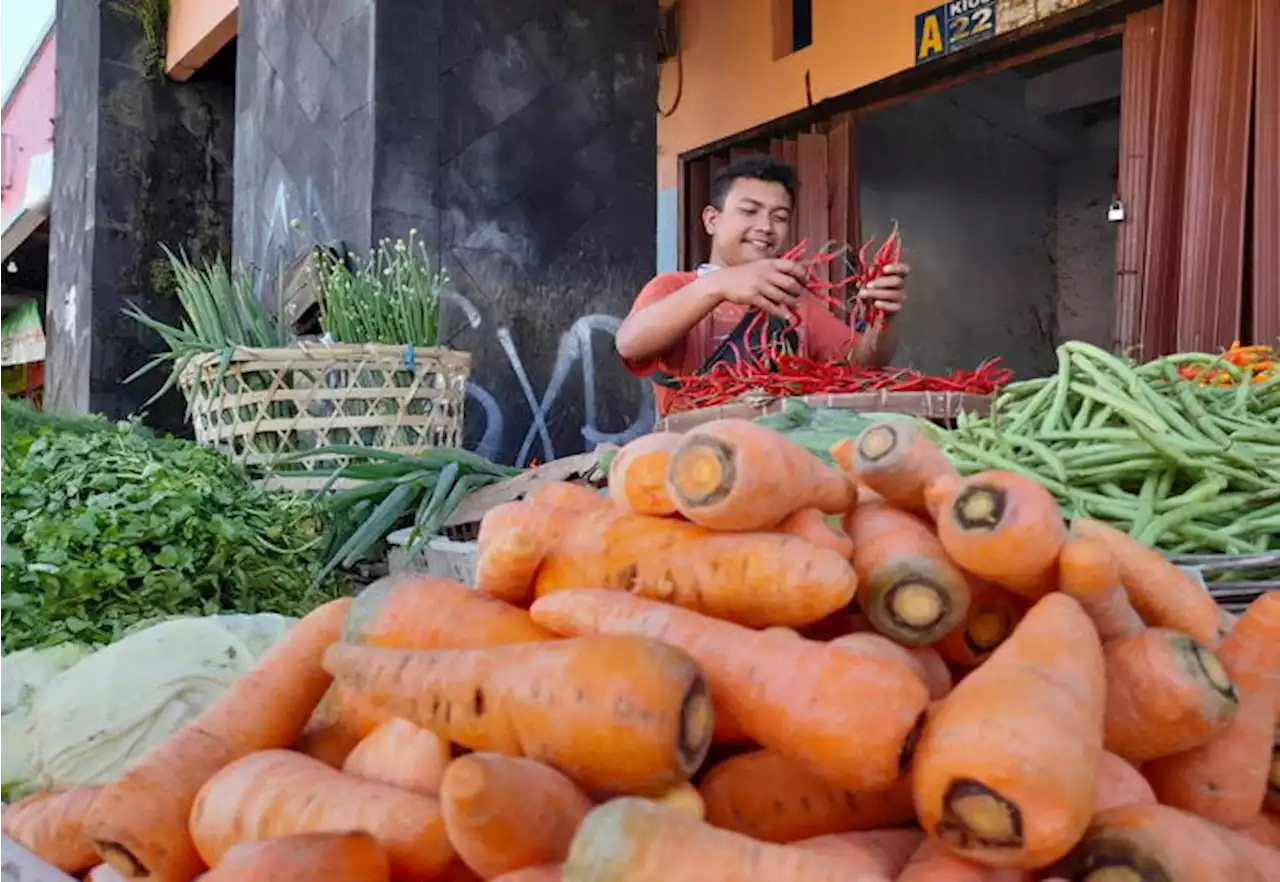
[[1182, 467]]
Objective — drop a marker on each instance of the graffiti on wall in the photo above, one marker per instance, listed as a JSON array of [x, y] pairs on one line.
[[296, 219]]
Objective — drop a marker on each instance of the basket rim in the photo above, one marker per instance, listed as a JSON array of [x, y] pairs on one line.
[[328, 352]]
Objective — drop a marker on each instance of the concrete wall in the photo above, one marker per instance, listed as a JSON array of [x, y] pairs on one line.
[[1085, 241], [139, 162], [516, 136], [976, 207]]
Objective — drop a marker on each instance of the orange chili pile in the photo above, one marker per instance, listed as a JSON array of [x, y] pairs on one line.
[[1259, 362], [781, 373]]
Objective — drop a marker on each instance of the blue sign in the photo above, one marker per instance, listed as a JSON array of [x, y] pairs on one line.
[[953, 26]]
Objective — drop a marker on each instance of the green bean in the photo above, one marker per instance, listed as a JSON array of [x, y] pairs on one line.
[[1027, 411], [1204, 490], [1132, 468], [1101, 417], [1195, 409], [1042, 453], [1083, 415], [1147, 499], [1053, 416], [1211, 539], [1124, 408], [1187, 513]]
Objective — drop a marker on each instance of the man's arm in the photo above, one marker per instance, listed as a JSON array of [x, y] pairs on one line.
[[875, 347], [654, 330], [831, 339]]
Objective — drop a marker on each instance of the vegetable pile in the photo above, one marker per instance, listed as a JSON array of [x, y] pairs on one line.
[[698, 678], [1239, 364], [105, 526], [1180, 466]]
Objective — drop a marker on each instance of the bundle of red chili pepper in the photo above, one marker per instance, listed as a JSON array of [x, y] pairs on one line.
[[772, 370]]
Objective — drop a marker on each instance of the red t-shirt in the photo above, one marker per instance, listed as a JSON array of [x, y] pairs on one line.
[[823, 337]]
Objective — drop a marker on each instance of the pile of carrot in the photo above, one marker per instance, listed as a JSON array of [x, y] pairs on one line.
[[740, 664]]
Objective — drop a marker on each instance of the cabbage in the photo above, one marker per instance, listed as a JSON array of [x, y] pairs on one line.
[[22, 675], [89, 723]]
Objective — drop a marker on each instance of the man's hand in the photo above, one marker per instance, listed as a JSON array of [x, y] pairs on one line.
[[773, 285], [887, 292]]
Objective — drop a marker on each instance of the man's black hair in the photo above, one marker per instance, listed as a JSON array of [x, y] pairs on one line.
[[755, 167]]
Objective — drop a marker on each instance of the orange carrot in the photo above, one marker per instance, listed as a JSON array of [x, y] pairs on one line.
[[774, 799], [732, 474], [1273, 774], [938, 492], [1225, 779], [512, 541], [637, 841], [1140, 842], [937, 676], [908, 587], [1006, 772], [1162, 594], [411, 611], [1165, 694], [849, 620], [684, 798], [107, 873], [277, 793], [51, 826], [544, 873], [402, 755], [897, 461], [878, 853], [842, 455], [755, 579], [1087, 571], [340, 721], [638, 474], [508, 813], [876, 645], [139, 822], [812, 526], [993, 614], [934, 862], [786, 693], [563, 494], [1005, 528], [1265, 830], [352, 856], [625, 713], [1120, 784]]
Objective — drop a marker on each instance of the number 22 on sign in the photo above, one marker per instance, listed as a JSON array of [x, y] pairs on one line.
[[953, 26]]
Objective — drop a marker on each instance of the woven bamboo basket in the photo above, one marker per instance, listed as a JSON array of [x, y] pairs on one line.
[[265, 404], [939, 407]]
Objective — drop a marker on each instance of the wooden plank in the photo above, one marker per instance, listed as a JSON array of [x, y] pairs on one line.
[[736, 153], [1137, 111], [1266, 179], [698, 246], [790, 155], [19, 865], [844, 217], [814, 197]]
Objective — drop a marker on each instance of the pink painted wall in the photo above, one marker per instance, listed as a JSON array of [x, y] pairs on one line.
[[27, 124]]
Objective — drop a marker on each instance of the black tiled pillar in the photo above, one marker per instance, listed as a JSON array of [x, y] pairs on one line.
[[139, 161], [517, 136]]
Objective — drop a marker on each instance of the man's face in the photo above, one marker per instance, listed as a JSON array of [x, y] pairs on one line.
[[752, 225]]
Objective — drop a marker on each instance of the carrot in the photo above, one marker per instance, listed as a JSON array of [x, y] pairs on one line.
[[104, 873], [508, 813], [1162, 594], [732, 474], [1165, 694], [1087, 572], [908, 587], [993, 614], [513, 538], [340, 722], [1119, 784], [277, 793], [938, 492], [1005, 528], [563, 494], [934, 862], [139, 822], [1265, 829], [880, 853], [755, 579], [812, 526], [684, 798], [410, 611], [774, 799], [1273, 774], [839, 623], [897, 461], [402, 755], [1140, 842], [842, 455], [1006, 772], [624, 713], [924, 660], [51, 826], [633, 840], [786, 693], [352, 856], [1225, 779], [544, 873], [638, 474], [937, 676]]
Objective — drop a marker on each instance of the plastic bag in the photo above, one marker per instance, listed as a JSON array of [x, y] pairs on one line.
[[23, 674], [89, 723]]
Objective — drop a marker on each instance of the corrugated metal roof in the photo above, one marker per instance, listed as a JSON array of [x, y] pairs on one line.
[[1266, 176], [1137, 98], [1211, 284], [1168, 149]]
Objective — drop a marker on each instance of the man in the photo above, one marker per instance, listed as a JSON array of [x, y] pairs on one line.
[[681, 321]]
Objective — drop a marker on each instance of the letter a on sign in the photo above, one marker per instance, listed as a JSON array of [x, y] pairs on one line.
[[931, 41]]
